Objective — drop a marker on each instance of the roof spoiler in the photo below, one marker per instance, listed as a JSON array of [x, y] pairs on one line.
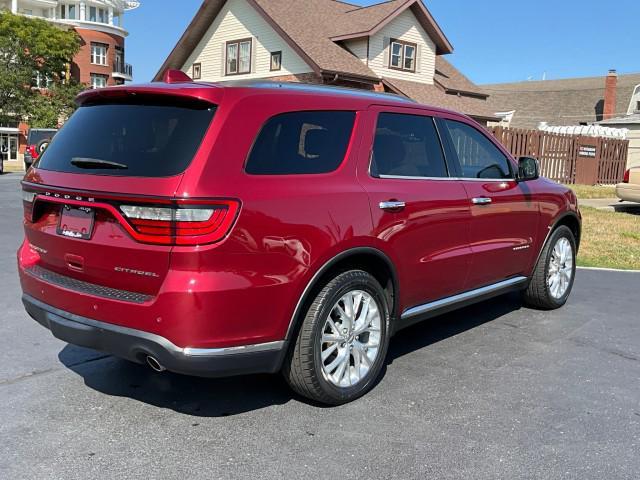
[[175, 76]]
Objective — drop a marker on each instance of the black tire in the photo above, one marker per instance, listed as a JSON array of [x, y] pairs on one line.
[[303, 366], [538, 293]]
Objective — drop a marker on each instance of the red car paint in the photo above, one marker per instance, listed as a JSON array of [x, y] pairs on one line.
[[244, 288]]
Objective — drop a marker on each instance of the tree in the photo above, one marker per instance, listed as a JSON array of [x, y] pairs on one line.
[[32, 48]]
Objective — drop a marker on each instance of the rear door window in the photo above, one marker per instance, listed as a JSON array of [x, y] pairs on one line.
[[309, 142], [145, 138], [407, 146], [478, 156]]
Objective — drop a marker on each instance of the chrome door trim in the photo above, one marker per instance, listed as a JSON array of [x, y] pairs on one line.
[[444, 179], [392, 205], [462, 297], [481, 201]]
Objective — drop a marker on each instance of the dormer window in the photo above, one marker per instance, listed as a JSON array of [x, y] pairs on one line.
[[403, 56]]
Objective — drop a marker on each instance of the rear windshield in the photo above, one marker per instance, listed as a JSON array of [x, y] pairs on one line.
[[36, 136], [129, 139]]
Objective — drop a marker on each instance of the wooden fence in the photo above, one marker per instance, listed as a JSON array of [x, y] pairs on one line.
[[569, 158]]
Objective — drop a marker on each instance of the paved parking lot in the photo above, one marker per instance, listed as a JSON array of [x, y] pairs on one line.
[[492, 391]]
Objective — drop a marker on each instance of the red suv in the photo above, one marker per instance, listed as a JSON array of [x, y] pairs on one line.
[[228, 229]]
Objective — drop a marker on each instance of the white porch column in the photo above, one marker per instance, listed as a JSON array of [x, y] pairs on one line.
[[14, 6]]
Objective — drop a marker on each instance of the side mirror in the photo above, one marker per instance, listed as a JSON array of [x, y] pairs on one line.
[[528, 169]]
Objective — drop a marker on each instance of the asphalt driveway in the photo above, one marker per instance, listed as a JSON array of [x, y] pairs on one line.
[[493, 391]]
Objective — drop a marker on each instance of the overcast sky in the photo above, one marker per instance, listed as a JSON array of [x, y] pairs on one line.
[[494, 41]]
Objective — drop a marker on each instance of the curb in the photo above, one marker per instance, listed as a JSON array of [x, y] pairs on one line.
[[600, 269]]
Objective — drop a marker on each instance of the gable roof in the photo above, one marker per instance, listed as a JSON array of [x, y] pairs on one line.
[[568, 101], [475, 107], [366, 21], [314, 39]]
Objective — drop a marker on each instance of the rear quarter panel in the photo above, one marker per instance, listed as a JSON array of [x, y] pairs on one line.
[[288, 226]]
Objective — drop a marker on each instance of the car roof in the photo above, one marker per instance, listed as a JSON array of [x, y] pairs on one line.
[[213, 92]]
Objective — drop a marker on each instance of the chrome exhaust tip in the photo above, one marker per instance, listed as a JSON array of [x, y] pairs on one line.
[[155, 364]]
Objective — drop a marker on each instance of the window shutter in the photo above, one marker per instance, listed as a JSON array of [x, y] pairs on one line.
[[386, 47], [223, 59], [254, 55], [418, 59]]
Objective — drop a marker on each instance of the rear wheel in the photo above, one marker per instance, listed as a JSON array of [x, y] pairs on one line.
[[343, 341], [553, 277]]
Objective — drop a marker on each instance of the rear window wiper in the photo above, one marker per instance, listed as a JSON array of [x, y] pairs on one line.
[[96, 163]]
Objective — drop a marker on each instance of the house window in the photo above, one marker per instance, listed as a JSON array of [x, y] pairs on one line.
[[196, 71], [403, 56], [637, 106], [276, 61], [41, 81], [98, 81], [68, 12], [99, 53], [98, 15], [238, 57]]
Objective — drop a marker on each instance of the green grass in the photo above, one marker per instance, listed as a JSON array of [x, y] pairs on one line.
[[597, 191], [609, 240]]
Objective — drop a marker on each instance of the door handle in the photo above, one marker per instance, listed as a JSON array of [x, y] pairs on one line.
[[481, 201], [392, 205]]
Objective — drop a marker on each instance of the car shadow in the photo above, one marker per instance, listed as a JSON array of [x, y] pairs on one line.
[[221, 397], [627, 208]]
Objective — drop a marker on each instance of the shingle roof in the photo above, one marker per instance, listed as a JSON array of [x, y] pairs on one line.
[[452, 80], [558, 102], [434, 95], [311, 34]]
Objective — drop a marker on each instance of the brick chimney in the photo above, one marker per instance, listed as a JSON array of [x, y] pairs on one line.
[[610, 93]]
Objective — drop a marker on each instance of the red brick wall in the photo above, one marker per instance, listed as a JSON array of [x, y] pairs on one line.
[[82, 67]]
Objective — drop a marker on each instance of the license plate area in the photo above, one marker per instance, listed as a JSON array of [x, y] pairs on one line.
[[76, 222]]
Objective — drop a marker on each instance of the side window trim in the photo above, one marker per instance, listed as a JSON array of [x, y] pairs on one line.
[[409, 177], [453, 155]]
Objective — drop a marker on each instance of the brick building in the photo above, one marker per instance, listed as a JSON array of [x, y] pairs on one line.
[[101, 60]]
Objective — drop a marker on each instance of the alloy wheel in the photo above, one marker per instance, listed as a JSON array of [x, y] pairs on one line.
[[351, 339], [560, 269]]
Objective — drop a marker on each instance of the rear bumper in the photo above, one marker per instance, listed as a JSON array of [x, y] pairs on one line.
[[136, 345], [628, 191]]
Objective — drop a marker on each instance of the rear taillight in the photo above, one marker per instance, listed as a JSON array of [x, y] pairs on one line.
[[627, 174], [166, 222], [182, 224], [27, 202]]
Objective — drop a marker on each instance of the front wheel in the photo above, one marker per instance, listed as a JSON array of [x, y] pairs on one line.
[[553, 277], [343, 340]]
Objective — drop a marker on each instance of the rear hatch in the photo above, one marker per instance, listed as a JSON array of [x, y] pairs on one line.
[[100, 207]]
